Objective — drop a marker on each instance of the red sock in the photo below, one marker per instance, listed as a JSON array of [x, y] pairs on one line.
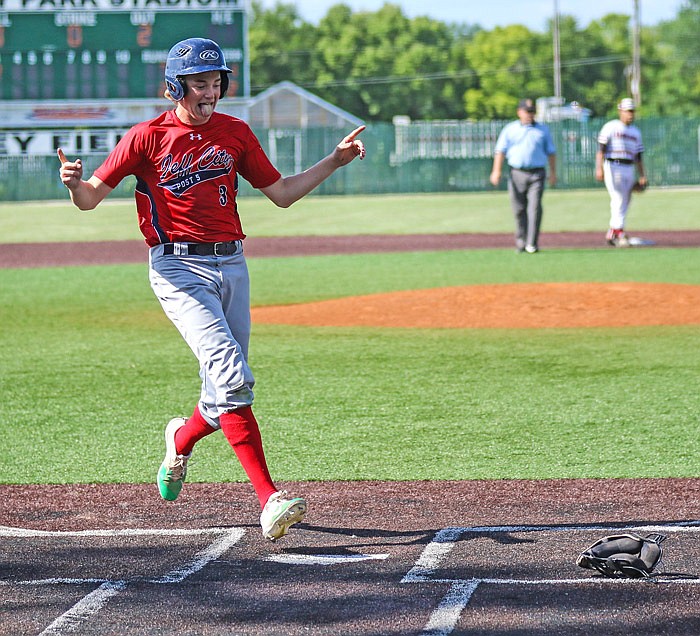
[[241, 430], [193, 430]]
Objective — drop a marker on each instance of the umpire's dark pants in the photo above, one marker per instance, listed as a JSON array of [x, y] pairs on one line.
[[526, 188]]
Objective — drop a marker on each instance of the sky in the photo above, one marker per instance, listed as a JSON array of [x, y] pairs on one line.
[[491, 13]]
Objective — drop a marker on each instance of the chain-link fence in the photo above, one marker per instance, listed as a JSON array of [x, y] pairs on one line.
[[449, 156]]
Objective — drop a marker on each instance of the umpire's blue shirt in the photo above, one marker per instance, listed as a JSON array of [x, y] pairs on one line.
[[526, 146]]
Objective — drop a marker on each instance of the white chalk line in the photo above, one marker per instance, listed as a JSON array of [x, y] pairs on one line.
[[9, 531], [444, 618], [594, 580], [84, 609], [323, 559], [55, 581], [90, 604], [676, 526], [210, 553]]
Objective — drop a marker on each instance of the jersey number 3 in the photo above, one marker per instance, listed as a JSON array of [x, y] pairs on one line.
[[223, 195]]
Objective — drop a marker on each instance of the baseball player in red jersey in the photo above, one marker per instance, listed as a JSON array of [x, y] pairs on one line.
[[187, 162], [620, 149]]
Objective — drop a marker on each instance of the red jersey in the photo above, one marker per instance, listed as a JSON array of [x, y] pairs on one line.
[[187, 176]]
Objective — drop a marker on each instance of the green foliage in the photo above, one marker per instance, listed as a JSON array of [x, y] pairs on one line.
[[91, 370], [676, 81], [593, 62], [405, 59], [380, 64], [284, 45], [508, 63]]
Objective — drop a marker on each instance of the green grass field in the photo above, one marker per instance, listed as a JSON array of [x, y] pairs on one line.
[[91, 370], [565, 210]]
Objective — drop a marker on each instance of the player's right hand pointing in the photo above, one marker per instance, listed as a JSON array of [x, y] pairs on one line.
[[71, 172]]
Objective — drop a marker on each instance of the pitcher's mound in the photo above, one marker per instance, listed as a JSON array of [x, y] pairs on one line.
[[528, 305]]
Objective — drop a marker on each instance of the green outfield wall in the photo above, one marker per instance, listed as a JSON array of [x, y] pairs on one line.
[[410, 157]]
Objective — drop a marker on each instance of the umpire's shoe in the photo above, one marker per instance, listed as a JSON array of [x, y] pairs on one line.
[[174, 467], [280, 513]]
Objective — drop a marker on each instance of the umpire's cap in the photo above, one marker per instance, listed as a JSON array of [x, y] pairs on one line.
[[527, 104]]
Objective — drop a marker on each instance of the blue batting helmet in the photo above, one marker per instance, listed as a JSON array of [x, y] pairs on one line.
[[191, 56]]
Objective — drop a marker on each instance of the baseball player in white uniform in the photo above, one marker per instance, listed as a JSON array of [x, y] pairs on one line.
[[619, 151]]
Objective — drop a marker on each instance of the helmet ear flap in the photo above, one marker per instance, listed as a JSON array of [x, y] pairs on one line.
[[176, 87]]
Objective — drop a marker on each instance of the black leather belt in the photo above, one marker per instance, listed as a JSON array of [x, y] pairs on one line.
[[624, 162], [527, 169], [226, 248]]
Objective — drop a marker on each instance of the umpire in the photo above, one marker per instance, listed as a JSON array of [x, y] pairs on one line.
[[528, 147]]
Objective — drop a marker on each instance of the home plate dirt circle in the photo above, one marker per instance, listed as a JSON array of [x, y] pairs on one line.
[[507, 306]]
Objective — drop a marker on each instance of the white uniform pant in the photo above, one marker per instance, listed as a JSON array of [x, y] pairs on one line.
[[208, 299], [619, 179]]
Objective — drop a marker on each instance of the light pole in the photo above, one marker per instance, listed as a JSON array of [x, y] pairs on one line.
[[636, 79], [557, 60]]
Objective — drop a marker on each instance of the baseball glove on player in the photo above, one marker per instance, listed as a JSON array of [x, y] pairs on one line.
[[639, 187], [624, 555]]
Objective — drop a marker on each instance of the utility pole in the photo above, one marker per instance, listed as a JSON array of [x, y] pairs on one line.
[[636, 79], [557, 59]]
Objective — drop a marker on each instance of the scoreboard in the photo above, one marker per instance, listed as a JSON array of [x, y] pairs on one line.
[[110, 49]]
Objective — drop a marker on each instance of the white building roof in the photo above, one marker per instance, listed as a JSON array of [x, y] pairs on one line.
[[286, 105]]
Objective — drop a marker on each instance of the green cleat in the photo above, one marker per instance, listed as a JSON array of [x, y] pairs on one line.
[[173, 470]]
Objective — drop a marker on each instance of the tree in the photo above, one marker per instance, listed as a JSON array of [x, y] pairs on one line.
[[510, 63], [614, 46], [282, 46], [676, 80], [380, 64], [373, 64]]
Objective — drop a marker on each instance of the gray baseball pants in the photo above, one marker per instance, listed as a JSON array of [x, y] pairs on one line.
[[526, 188], [208, 299]]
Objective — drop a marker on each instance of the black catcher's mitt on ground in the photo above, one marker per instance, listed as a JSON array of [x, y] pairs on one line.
[[623, 555]]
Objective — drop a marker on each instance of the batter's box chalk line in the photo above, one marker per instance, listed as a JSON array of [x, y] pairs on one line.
[[444, 618], [89, 605]]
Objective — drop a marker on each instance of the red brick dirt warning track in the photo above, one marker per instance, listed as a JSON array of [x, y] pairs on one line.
[[114, 252]]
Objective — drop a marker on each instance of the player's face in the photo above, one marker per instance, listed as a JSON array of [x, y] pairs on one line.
[[627, 116], [203, 92]]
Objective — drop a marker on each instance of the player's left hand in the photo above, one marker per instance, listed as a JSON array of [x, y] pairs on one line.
[[349, 148]]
